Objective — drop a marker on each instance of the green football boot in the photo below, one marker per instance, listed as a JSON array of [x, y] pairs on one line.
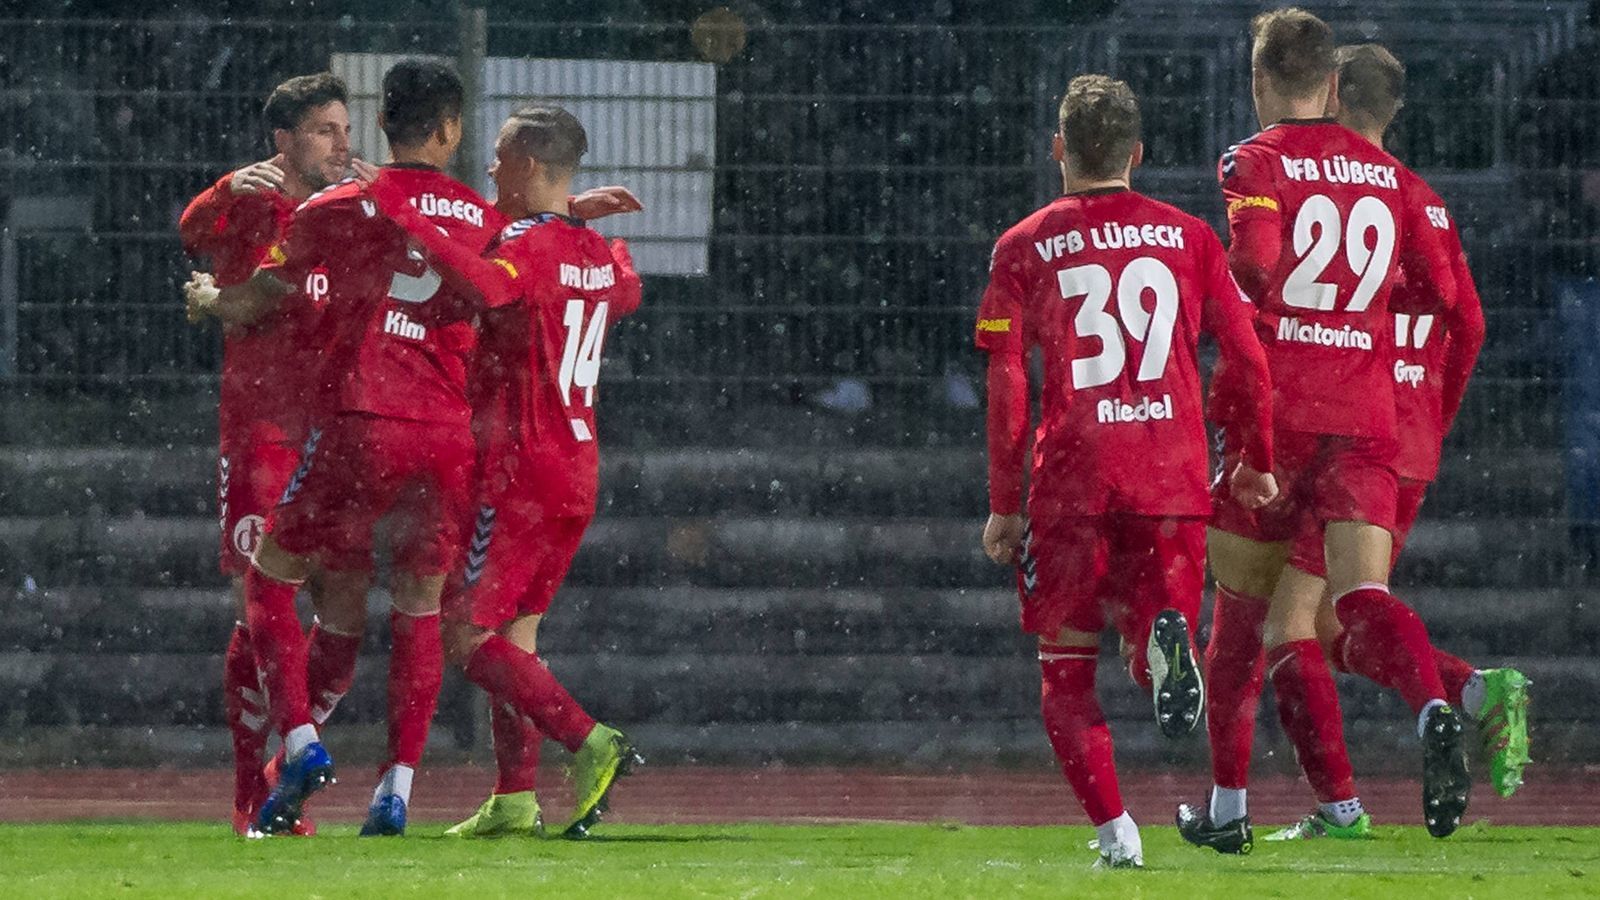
[[1316, 825], [1503, 726], [503, 815], [605, 756]]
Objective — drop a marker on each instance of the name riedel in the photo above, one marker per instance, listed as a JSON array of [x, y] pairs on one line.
[[1112, 412]]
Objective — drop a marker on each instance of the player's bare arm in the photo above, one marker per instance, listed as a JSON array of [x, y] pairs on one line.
[[236, 304], [597, 203]]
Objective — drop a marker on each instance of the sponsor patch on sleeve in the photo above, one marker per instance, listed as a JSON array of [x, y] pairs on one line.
[[1252, 203], [997, 326]]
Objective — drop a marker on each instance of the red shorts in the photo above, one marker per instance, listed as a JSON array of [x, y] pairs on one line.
[[359, 469], [1321, 478], [252, 470], [1307, 552], [516, 560], [1079, 572]]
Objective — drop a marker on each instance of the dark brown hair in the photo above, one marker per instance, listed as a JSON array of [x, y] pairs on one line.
[[1099, 125], [1294, 47], [289, 103], [1372, 83], [549, 134]]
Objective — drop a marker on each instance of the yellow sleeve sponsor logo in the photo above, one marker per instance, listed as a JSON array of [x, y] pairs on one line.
[[997, 326], [276, 254], [505, 264], [1252, 203]]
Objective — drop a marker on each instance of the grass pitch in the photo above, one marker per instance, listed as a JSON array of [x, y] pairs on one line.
[[130, 859]]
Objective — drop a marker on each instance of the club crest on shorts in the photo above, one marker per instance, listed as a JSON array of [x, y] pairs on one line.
[[247, 534]]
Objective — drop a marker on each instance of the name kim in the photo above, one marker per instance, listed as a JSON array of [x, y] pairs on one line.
[[1112, 412], [399, 324]]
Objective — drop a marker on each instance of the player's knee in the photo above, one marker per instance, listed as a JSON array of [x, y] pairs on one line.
[[340, 599], [524, 632], [1358, 553], [1328, 628], [275, 562], [417, 595], [1244, 566], [461, 640]]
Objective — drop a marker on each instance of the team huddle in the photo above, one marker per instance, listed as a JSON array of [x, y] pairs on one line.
[[398, 349], [1347, 326]]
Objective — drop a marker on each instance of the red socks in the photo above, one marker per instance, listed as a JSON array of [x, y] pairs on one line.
[[1077, 728], [512, 675], [330, 668], [1308, 707], [1453, 670], [1453, 673], [516, 748], [280, 647], [1233, 674], [1385, 641], [247, 714], [416, 669]]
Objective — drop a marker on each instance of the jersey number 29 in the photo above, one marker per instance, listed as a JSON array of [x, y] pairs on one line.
[[1316, 243]]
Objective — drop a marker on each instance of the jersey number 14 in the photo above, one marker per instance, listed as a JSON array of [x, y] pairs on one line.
[[580, 357]]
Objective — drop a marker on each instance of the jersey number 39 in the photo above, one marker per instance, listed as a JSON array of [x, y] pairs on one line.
[[1153, 328]]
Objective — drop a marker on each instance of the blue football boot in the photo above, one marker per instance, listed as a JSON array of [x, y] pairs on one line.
[[386, 816], [309, 771]]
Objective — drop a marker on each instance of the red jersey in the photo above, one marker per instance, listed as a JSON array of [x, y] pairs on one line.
[[1115, 288], [262, 374], [541, 355], [395, 339], [1320, 218], [1434, 354]]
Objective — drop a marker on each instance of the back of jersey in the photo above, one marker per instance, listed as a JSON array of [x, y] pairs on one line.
[[395, 337], [1111, 286], [544, 355], [1338, 204]]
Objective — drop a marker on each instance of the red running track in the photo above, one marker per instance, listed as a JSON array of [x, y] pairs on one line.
[[709, 795]]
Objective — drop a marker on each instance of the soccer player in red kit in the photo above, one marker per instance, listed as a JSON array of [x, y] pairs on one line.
[[1434, 357], [392, 434], [1320, 220], [1114, 289], [553, 288], [262, 414]]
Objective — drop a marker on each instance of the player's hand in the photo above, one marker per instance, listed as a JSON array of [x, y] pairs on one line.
[[1002, 537], [365, 172], [1253, 489], [200, 294], [266, 175], [597, 203], [621, 255]]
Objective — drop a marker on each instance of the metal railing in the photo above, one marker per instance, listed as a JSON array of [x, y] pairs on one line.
[[860, 175]]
